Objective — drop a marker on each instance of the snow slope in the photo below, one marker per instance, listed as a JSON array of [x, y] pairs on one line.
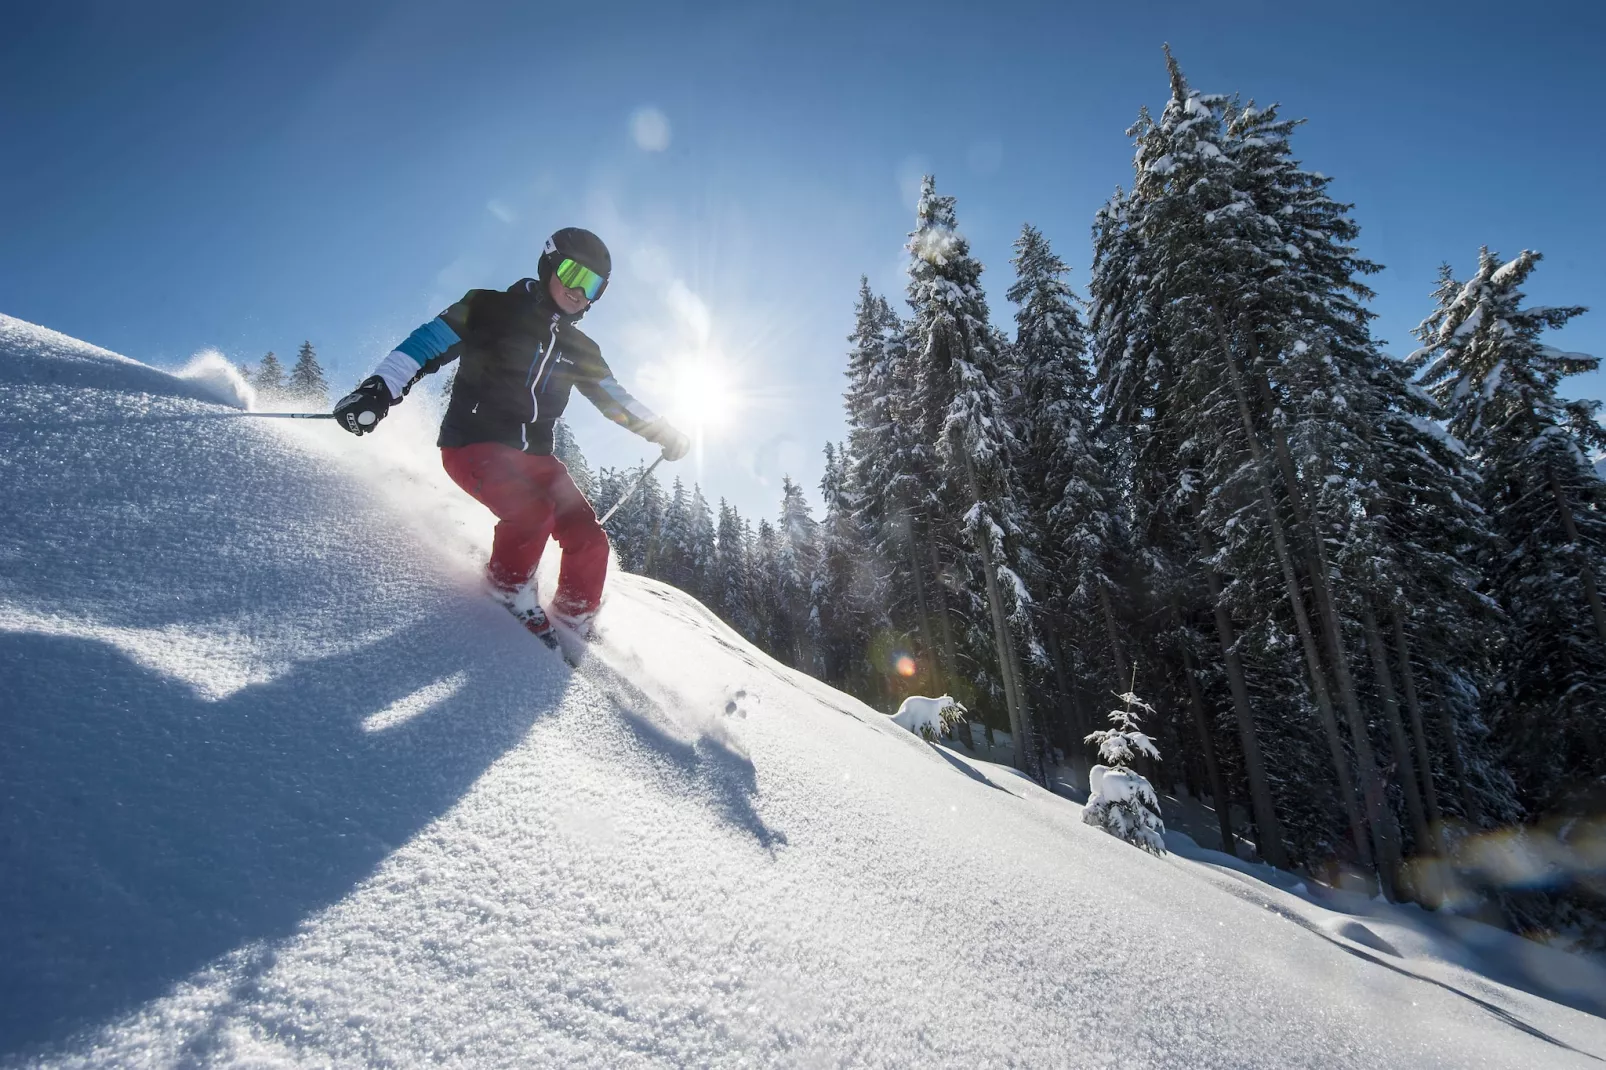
[[279, 788]]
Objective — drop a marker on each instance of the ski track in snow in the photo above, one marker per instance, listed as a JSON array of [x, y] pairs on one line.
[[279, 788]]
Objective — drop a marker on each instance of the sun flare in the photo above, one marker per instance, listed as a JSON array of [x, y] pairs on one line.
[[701, 394]]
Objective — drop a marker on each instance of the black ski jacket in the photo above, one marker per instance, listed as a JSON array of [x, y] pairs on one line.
[[520, 356]]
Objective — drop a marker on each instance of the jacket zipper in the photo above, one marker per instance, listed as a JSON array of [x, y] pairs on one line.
[[535, 379]]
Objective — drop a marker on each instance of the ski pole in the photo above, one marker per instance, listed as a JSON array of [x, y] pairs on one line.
[[626, 495], [284, 415]]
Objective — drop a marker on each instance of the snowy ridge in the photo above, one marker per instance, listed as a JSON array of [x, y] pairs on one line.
[[280, 788]]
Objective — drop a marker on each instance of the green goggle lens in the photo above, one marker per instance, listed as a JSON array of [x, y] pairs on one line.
[[576, 276]]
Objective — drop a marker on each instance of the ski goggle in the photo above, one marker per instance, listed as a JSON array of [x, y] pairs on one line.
[[576, 276]]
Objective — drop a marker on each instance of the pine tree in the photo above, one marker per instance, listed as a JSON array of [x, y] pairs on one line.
[[845, 595], [674, 551], [637, 527], [1483, 360], [1373, 499], [703, 550], [890, 469], [306, 379], [767, 595], [960, 409], [1180, 265], [1122, 801], [567, 450], [269, 381], [798, 562], [1077, 532], [730, 578]]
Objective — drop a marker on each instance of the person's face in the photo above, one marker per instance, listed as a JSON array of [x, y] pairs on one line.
[[569, 302]]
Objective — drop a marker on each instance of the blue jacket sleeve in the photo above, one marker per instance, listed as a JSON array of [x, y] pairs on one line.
[[429, 348]]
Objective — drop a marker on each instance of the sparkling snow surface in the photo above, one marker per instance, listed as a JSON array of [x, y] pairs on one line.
[[280, 788]]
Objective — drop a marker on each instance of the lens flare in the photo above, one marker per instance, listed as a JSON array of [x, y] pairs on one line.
[[703, 398], [905, 665]]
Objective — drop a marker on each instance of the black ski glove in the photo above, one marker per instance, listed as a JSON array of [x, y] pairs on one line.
[[676, 445], [361, 410]]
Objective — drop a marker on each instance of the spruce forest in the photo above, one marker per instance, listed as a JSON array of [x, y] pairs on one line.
[[1362, 593]]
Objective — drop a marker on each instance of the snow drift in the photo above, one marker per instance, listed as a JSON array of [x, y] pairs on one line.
[[278, 787], [928, 718]]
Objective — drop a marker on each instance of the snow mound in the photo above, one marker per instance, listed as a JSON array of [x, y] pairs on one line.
[[38, 356], [280, 787], [925, 716], [1122, 803]]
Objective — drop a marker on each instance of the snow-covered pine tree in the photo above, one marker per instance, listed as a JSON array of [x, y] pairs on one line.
[[1223, 303], [731, 584], [798, 562], [960, 409], [610, 486], [638, 526], [767, 594], [1373, 494], [1237, 262], [635, 528], [269, 381], [1078, 526], [1075, 526], [1176, 432], [1482, 358], [845, 594], [674, 546], [702, 549], [1399, 509], [567, 450], [1121, 800], [306, 383], [889, 468]]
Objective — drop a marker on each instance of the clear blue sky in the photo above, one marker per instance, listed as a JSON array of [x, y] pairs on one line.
[[180, 176]]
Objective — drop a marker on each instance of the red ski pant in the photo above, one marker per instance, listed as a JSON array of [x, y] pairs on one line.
[[533, 497]]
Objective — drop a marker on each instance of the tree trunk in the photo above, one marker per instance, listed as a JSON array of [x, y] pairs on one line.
[[1067, 702], [950, 666], [1008, 666], [1324, 703], [1402, 650], [1586, 571], [1207, 749], [1402, 749], [1318, 568], [1385, 836], [1318, 682], [1268, 832], [922, 611], [1117, 650]]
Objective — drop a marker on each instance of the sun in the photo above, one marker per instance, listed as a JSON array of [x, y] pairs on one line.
[[704, 396]]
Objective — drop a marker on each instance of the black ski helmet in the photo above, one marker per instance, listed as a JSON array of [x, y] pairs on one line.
[[574, 243]]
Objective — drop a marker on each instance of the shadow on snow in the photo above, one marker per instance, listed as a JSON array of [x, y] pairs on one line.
[[146, 831]]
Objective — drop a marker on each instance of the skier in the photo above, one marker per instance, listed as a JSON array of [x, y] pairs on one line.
[[521, 353]]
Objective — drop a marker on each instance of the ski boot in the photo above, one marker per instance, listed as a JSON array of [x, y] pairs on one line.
[[522, 602]]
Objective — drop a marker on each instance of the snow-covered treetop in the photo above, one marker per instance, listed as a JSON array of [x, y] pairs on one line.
[[942, 274], [960, 364], [1049, 317], [1483, 361], [1122, 743]]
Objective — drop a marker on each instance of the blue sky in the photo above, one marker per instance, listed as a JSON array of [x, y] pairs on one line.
[[183, 176]]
